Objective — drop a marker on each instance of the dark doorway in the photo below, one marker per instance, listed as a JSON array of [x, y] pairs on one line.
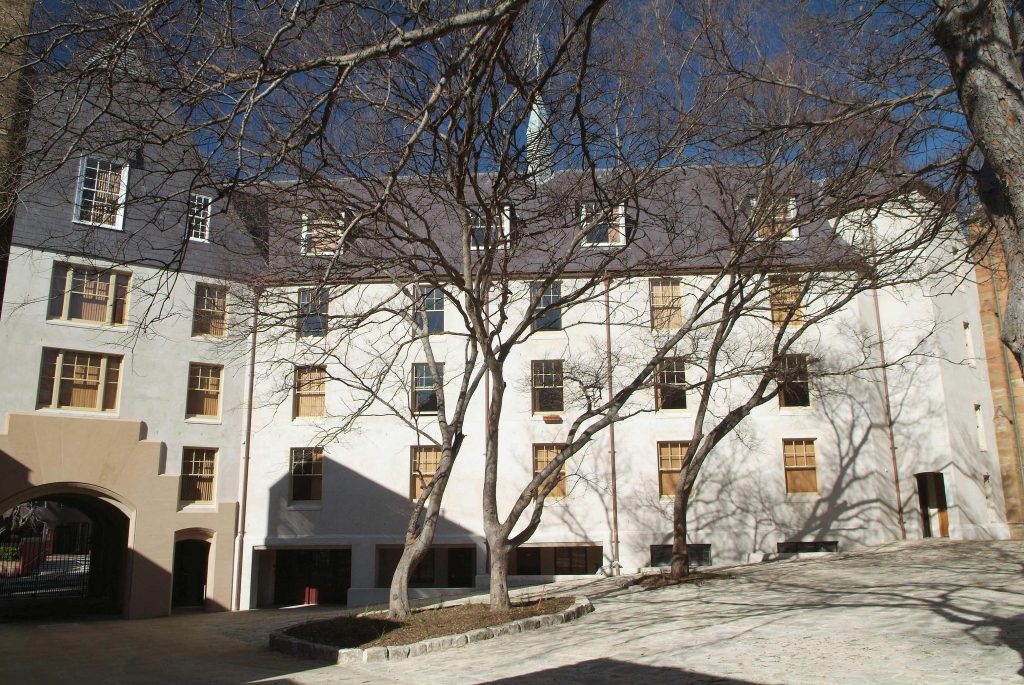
[[312, 576], [461, 566], [61, 556], [931, 493], [191, 558]]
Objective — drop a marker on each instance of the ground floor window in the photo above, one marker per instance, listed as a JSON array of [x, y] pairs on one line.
[[700, 555], [308, 576], [556, 560], [802, 547], [439, 567]]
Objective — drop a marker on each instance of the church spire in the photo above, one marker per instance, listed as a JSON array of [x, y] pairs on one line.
[[539, 142]]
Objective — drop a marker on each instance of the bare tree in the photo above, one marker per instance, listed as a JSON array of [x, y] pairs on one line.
[[518, 161]]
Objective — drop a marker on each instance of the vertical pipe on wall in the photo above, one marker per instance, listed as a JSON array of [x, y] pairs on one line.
[[236, 599], [611, 429], [885, 400]]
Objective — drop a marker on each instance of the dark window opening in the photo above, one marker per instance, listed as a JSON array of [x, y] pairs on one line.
[[699, 555]]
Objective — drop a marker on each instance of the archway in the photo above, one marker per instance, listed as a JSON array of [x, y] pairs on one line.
[[191, 569], [61, 554]]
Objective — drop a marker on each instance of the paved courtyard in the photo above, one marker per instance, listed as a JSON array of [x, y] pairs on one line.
[[926, 612]]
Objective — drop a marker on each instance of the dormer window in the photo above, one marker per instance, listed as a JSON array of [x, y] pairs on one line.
[[778, 222], [102, 186], [323, 236], [494, 230], [199, 217], [606, 225]]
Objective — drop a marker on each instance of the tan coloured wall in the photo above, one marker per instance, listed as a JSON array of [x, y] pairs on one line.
[[49, 454], [1006, 382]]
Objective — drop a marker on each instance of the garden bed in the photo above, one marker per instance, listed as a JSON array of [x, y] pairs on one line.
[[375, 637], [377, 630]]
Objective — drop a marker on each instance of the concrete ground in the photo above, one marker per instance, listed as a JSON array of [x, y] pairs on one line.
[[925, 612]]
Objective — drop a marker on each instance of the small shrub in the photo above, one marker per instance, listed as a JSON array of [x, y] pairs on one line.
[[9, 553]]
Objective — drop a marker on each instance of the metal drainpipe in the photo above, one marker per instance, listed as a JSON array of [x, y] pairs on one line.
[[888, 417], [616, 566], [1010, 395], [886, 404], [236, 603]]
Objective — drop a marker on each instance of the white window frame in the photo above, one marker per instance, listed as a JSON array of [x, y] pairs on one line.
[[507, 211], [208, 209], [122, 194], [979, 422], [793, 233], [969, 354], [616, 220], [305, 244]]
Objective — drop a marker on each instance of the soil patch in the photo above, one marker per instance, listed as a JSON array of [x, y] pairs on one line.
[[664, 580], [378, 630]]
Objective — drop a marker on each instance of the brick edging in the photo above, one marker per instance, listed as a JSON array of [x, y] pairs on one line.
[[287, 644]]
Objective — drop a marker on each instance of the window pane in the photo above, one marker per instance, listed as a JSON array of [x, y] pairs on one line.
[[784, 294], [100, 196], [547, 385], [425, 461], [550, 320], [312, 316], [80, 380], [47, 377], [204, 383], [794, 384], [670, 384], [199, 217], [90, 291], [307, 473], [544, 455], [210, 310], [670, 462], [666, 304], [310, 391], [801, 471], [197, 471]]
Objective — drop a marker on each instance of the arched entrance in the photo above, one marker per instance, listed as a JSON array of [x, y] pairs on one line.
[[61, 554], [191, 568]]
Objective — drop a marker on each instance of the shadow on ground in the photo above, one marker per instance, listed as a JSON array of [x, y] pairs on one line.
[[601, 671]]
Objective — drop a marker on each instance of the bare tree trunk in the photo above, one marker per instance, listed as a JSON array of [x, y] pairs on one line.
[[398, 601], [499, 579], [680, 555], [982, 52]]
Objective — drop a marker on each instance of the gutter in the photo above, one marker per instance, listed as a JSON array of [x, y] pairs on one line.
[[236, 600]]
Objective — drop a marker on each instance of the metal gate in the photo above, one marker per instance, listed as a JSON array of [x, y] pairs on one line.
[[50, 564]]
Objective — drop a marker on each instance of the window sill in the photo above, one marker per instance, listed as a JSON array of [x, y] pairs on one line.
[[208, 337], [796, 411], [91, 325], [603, 245], [304, 506], [79, 411], [796, 497], [197, 507], [203, 420], [94, 224], [548, 333], [672, 413], [541, 414], [193, 239], [307, 420]]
